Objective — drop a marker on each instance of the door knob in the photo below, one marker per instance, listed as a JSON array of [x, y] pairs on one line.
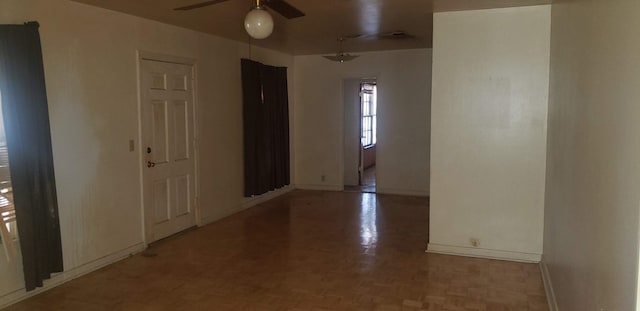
[[151, 164]]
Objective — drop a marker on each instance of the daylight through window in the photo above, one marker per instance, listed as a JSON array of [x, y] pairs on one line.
[[8, 230], [368, 95]]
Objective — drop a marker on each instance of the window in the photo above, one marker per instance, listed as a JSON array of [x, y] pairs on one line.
[[368, 98], [24, 95], [8, 230]]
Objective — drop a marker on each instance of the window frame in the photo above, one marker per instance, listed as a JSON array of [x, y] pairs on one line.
[[368, 115], [7, 209]]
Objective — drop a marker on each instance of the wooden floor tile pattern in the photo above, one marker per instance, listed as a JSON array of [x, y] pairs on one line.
[[305, 251]]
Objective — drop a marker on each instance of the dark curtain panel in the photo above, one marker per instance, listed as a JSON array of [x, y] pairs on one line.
[[266, 127], [281, 127], [26, 119], [252, 123]]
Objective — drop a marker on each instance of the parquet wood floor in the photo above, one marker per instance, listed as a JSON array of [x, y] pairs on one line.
[[306, 250]]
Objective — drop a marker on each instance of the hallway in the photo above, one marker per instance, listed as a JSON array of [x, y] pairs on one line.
[[368, 182], [305, 250]]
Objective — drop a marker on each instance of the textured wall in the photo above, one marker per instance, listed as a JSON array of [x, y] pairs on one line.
[[593, 172], [488, 134]]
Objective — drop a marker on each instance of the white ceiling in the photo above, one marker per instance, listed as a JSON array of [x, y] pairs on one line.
[[325, 21]]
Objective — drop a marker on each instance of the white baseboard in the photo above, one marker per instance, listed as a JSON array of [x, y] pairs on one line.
[[68, 275], [416, 193], [246, 203], [548, 286], [321, 187], [219, 215], [483, 253], [253, 201]]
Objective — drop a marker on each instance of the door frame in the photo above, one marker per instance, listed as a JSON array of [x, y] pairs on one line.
[[378, 78], [361, 167], [165, 58], [360, 146]]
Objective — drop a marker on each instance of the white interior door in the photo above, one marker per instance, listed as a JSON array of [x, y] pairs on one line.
[[352, 131], [168, 147]]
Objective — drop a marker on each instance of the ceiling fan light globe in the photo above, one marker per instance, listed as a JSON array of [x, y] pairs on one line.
[[258, 23]]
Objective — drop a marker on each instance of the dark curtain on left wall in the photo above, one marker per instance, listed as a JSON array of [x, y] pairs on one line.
[[26, 118]]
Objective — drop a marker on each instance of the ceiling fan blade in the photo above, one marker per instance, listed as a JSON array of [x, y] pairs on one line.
[[199, 5], [285, 9], [341, 57]]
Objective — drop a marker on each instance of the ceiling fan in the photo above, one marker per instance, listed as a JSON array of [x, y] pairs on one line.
[[341, 56], [258, 23]]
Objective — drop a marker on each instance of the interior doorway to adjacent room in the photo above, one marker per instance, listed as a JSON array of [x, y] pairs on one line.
[[360, 111]]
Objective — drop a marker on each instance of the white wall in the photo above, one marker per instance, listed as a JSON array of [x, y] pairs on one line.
[[404, 79], [593, 174], [488, 143], [90, 65]]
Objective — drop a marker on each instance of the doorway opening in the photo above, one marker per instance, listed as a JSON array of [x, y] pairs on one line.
[[361, 103]]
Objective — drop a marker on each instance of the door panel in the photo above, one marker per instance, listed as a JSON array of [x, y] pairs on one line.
[[158, 81], [179, 82], [181, 130], [167, 133], [161, 200], [159, 146], [183, 189]]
